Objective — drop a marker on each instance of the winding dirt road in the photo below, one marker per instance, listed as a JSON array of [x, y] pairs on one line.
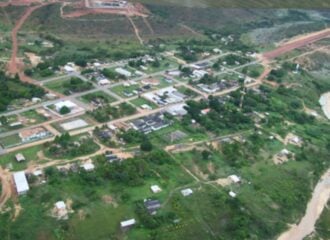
[[320, 197]]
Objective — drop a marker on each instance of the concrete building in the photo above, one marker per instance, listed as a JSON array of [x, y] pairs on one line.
[[33, 134], [21, 183], [123, 72]]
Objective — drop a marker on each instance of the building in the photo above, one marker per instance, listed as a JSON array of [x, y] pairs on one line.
[[88, 167], [21, 183], [103, 82], [60, 205], [177, 110], [187, 192], [165, 96], [232, 194], [155, 189], [150, 123], [127, 223], [235, 178], [33, 134], [19, 157], [79, 123], [199, 73], [152, 206], [123, 72], [68, 104]]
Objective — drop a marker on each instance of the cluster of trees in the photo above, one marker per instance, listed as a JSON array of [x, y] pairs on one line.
[[76, 85], [231, 59], [12, 89], [66, 146], [106, 113], [132, 136], [221, 117], [111, 74]]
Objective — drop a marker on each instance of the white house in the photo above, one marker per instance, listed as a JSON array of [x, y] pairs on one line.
[[68, 104], [235, 178], [21, 183], [33, 134], [232, 194], [103, 82], [187, 192], [123, 72], [127, 223], [88, 167], [155, 189], [19, 157]]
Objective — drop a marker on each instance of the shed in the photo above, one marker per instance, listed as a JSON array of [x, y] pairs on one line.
[[127, 223], [155, 189], [19, 157], [186, 192], [235, 178]]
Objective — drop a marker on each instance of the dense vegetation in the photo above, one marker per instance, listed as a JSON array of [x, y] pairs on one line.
[[12, 89]]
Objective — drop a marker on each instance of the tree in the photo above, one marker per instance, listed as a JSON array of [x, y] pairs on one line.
[[64, 110], [146, 145]]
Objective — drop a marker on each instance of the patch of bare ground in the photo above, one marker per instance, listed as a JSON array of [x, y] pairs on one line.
[[110, 200]]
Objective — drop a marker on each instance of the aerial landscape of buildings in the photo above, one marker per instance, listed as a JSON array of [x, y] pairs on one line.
[[164, 120]]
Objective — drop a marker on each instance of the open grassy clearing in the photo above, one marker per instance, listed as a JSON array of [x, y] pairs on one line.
[[31, 154]]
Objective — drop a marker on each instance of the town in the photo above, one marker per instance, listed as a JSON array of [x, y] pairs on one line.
[[180, 139]]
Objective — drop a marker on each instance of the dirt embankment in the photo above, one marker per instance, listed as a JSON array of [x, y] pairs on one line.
[[320, 197], [297, 43]]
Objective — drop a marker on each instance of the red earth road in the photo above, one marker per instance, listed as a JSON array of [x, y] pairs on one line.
[[303, 41]]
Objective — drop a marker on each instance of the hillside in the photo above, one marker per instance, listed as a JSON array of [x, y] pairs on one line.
[[246, 3]]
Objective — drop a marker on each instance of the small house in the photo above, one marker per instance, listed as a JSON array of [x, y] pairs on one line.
[[155, 189], [187, 192], [19, 157], [127, 223]]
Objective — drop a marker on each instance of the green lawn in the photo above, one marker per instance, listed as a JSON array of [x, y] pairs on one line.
[[121, 90], [10, 141], [97, 96], [33, 117], [138, 102]]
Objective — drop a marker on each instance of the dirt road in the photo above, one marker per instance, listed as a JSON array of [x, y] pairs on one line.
[[136, 30], [14, 64], [6, 182], [320, 197], [297, 43]]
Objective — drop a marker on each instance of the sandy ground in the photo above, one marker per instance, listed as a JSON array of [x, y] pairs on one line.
[[34, 59], [325, 103], [314, 209]]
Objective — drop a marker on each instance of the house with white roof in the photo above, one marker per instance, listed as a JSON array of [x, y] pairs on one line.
[[21, 183]]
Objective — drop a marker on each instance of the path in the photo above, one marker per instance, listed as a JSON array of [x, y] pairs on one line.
[[136, 30], [320, 197], [6, 191]]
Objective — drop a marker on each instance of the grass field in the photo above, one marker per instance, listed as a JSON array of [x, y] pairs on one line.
[[138, 102], [125, 91], [88, 98], [30, 154], [10, 141], [245, 3]]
